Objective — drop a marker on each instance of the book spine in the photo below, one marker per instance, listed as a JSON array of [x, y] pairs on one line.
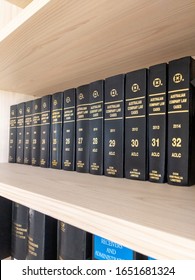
[[45, 131], [181, 135], [114, 126], [13, 134], [36, 125], [28, 129], [20, 133], [5, 232], [68, 154], [56, 130], [157, 122], [96, 115], [19, 231], [82, 129], [73, 243], [136, 166]]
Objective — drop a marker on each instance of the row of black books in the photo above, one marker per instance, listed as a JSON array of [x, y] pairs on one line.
[[36, 236], [140, 125]]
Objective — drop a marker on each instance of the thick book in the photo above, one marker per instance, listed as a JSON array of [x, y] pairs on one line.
[[28, 129], [136, 165], [35, 136], [56, 130], [96, 127], [181, 122], [19, 231], [42, 237], [45, 131], [82, 129], [157, 122], [73, 243], [20, 133], [13, 134], [5, 227], [69, 127], [114, 126], [104, 249]]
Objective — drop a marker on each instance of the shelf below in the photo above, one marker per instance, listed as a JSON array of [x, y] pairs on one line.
[[155, 219], [55, 45]]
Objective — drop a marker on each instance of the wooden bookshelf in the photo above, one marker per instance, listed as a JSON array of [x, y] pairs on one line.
[[154, 219], [54, 45]]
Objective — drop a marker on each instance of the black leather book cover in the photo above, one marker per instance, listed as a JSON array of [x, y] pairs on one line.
[[42, 237], [96, 127], [73, 243], [56, 130], [20, 133], [136, 149], [36, 127], [114, 126], [28, 129], [19, 231], [5, 227], [13, 134], [157, 122], [45, 131], [181, 122], [69, 116], [82, 129]]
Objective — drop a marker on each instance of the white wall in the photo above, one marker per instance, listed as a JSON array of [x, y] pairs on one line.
[[6, 100], [7, 12]]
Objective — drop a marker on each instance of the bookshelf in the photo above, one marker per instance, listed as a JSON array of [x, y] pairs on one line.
[[52, 46]]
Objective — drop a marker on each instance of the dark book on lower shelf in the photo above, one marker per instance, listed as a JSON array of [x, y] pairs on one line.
[[73, 243], [5, 227], [136, 150], [27, 136], [20, 133], [114, 126], [96, 127], [45, 148], [13, 134], [82, 129], [56, 130], [157, 122], [36, 128], [69, 127], [181, 122], [104, 249], [42, 237], [19, 231]]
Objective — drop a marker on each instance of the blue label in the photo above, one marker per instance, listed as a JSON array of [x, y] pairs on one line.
[[149, 258], [105, 249]]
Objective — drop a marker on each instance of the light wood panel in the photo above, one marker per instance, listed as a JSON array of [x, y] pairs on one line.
[[6, 100], [155, 219], [60, 44], [20, 3]]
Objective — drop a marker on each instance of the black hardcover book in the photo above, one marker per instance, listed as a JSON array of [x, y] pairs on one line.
[[13, 134], [5, 227], [45, 131], [73, 243], [56, 130], [27, 135], [114, 126], [82, 129], [19, 231], [181, 122], [36, 127], [157, 122], [42, 237], [20, 133], [96, 132], [135, 125], [68, 150]]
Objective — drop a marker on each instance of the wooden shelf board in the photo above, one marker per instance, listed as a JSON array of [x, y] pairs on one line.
[[20, 3], [54, 46], [155, 219]]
